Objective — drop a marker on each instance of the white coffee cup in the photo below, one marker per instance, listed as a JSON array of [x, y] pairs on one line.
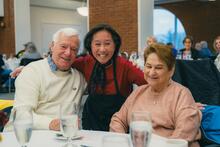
[[176, 143]]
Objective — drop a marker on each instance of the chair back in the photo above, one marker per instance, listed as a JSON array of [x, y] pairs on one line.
[[5, 110], [26, 61], [201, 77]]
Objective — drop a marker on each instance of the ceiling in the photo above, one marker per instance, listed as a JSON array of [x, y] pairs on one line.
[[73, 4], [60, 4]]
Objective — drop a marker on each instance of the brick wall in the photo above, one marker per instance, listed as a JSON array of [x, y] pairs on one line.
[[122, 15], [7, 35]]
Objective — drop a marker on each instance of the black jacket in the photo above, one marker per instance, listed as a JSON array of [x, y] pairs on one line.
[[194, 53]]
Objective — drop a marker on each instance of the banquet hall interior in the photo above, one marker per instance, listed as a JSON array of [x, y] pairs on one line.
[[35, 21]]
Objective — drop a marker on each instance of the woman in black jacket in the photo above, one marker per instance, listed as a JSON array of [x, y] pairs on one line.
[[189, 53]]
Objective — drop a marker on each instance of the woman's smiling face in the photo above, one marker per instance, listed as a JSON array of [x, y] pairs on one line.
[[103, 46], [156, 72]]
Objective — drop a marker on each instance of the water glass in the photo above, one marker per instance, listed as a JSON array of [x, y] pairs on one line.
[[115, 141], [179, 55], [140, 128], [69, 121], [23, 123]]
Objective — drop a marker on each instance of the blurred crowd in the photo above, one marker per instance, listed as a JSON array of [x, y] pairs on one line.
[[191, 51], [8, 64]]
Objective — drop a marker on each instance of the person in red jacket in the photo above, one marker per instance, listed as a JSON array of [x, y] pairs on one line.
[[110, 77]]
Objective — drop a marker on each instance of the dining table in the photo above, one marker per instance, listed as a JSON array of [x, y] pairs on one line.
[[85, 138]]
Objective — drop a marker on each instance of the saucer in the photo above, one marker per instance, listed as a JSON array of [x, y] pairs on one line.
[[61, 137]]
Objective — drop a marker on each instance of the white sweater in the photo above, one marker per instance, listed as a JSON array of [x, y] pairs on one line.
[[44, 90]]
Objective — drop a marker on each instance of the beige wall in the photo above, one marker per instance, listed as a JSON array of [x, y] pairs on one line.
[[45, 21], [22, 23]]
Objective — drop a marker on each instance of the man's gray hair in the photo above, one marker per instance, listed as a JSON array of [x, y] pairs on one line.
[[204, 44], [67, 32]]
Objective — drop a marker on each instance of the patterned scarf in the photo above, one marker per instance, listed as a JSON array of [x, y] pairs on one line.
[[98, 77]]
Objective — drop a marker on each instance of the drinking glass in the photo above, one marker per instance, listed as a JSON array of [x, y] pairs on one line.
[[140, 128], [115, 141], [23, 122], [69, 121], [179, 55]]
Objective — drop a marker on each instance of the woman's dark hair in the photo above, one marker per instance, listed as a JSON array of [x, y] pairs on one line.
[[190, 38], [100, 27]]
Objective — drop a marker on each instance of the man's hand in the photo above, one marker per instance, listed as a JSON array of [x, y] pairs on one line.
[[55, 125], [16, 72]]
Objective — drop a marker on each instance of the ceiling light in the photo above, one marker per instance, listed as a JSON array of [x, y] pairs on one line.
[[83, 10]]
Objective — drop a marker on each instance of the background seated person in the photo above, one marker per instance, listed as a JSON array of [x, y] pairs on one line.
[[172, 107], [150, 40], [216, 45], [46, 83], [4, 75], [31, 54], [205, 52], [189, 53]]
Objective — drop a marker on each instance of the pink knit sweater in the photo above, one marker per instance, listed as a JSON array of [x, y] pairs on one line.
[[173, 112]]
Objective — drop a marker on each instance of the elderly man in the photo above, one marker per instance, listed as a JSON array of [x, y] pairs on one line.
[[46, 83]]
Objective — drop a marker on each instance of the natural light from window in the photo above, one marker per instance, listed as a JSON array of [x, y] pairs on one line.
[[168, 28]]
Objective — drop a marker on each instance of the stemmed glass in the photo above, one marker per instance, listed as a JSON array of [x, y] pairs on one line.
[[69, 121], [140, 128], [23, 122]]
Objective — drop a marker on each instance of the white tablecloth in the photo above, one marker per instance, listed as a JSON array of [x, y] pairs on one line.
[[43, 138]]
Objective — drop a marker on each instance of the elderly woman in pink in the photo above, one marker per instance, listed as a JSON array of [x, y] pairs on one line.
[[172, 107]]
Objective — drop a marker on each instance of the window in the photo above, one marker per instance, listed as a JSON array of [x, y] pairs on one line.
[[168, 28]]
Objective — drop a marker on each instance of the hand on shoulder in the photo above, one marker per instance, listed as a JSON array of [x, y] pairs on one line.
[[16, 72]]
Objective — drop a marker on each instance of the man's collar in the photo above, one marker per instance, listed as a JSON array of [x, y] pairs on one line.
[[52, 65]]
